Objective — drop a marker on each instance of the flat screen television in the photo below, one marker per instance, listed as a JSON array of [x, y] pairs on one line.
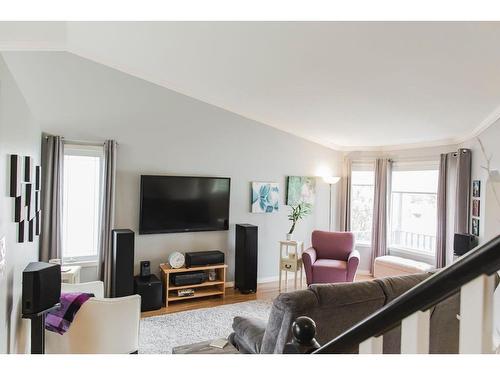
[[173, 204]]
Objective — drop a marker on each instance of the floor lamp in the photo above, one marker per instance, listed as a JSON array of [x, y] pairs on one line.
[[330, 180]]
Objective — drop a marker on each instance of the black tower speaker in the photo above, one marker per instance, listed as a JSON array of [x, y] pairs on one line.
[[122, 279], [245, 275]]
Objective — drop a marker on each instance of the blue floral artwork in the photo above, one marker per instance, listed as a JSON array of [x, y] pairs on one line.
[[265, 197]]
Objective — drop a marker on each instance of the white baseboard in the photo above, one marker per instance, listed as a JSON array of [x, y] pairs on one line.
[[262, 280], [270, 279]]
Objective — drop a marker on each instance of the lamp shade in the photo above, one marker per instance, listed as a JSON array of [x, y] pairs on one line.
[[331, 179]]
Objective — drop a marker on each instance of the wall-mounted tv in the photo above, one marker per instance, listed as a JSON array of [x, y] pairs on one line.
[[173, 204]]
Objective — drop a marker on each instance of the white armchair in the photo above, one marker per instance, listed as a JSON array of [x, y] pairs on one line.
[[101, 326]]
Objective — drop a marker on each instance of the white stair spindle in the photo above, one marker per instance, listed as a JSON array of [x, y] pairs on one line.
[[476, 316], [373, 345], [415, 331]]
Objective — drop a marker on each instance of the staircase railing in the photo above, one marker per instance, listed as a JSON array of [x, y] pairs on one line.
[[473, 274]]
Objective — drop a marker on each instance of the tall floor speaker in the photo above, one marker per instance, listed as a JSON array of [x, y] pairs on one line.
[[122, 274], [245, 275]]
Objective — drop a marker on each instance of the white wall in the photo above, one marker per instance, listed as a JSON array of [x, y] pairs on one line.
[[162, 132], [19, 134]]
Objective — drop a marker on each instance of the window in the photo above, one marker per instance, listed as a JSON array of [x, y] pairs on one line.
[[362, 192], [81, 201], [413, 208]]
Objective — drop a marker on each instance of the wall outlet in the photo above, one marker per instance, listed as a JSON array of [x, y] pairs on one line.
[[2, 255]]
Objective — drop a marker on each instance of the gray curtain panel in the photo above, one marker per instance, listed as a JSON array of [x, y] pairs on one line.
[[380, 205], [462, 195], [52, 197], [453, 202], [441, 212], [107, 217], [345, 209]]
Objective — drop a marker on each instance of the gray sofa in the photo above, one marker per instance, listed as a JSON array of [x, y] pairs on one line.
[[337, 307]]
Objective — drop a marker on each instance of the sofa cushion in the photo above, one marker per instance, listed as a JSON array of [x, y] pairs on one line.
[[394, 286], [342, 305], [329, 271], [336, 245], [389, 265]]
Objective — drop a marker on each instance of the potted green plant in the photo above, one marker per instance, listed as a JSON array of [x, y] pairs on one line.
[[299, 212]]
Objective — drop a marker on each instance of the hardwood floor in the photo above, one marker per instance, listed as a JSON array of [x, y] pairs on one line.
[[265, 292]]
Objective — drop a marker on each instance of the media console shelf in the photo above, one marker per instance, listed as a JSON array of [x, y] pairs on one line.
[[208, 288]]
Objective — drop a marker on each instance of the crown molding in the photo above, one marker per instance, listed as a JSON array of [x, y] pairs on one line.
[[27, 46]]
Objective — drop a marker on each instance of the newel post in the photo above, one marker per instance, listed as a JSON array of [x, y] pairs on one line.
[[303, 337]]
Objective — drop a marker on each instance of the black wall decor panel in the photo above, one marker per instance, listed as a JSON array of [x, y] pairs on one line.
[[37, 201], [38, 223], [15, 176], [31, 230], [24, 186], [28, 168], [19, 209], [30, 202], [20, 232], [28, 189], [38, 177]]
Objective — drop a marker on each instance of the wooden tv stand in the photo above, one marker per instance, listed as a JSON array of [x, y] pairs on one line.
[[205, 289]]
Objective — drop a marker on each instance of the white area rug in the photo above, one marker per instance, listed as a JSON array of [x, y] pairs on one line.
[[159, 334]]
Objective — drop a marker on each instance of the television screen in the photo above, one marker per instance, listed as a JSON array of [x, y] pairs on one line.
[[171, 204]]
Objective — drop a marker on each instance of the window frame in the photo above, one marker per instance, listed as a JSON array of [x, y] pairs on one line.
[[420, 255], [361, 166], [90, 150]]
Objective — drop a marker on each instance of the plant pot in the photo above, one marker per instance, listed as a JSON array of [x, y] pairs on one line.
[[289, 236]]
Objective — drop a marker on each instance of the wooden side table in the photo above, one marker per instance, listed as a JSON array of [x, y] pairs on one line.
[[291, 260], [70, 274]]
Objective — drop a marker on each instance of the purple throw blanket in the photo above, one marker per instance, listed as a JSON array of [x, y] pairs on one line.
[[59, 320]]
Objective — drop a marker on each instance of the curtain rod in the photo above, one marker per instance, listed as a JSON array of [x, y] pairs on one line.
[[371, 159], [89, 143]]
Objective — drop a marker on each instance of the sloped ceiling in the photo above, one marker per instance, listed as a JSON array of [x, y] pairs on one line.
[[351, 85]]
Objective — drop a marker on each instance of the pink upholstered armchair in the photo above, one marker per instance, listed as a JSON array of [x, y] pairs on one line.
[[331, 259]]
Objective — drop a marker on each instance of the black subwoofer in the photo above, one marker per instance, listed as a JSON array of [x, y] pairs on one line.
[[122, 279], [245, 274], [150, 290]]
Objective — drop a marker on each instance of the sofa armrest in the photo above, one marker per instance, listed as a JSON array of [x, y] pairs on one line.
[[308, 258], [101, 326], [248, 334], [352, 265]]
